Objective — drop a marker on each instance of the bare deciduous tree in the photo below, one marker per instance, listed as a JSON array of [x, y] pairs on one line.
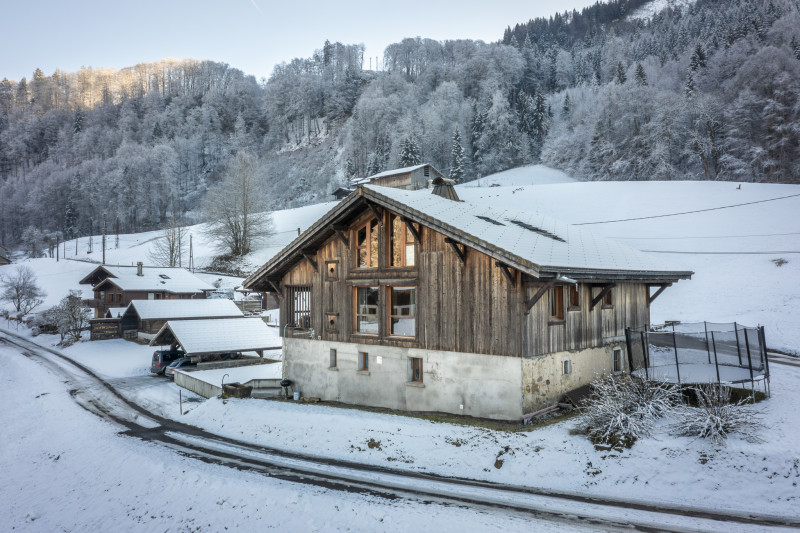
[[234, 208], [169, 248], [20, 289]]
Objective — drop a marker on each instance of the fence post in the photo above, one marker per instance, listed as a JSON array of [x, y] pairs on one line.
[[630, 352], [677, 363], [738, 347], [716, 363], [645, 356], [749, 360], [705, 325], [766, 359]]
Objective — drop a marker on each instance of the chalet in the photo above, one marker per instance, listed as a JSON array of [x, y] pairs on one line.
[[416, 301], [149, 316], [410, 178], [117, 286]]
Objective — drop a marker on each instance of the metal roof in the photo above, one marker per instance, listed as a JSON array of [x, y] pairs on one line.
[[175, 280], [530, 241], [198, 337], [177, 309], [394, 172]]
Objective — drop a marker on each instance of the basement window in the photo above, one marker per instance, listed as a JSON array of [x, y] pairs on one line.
[[616, 360], [415, 364], [363, 362], [566, 367], [333, 358]]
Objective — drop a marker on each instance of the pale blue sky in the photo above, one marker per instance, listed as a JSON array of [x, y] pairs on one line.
[[251, 35]]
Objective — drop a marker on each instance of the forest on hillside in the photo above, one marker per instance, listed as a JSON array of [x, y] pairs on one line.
[[707, 92]]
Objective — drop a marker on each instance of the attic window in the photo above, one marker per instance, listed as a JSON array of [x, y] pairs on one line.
[[536, 230], [427, 171], [490, 220], [163, 276]]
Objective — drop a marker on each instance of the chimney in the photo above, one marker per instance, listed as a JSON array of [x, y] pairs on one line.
[[139, 266], [444, 187]]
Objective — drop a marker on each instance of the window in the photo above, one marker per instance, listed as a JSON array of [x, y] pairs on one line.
[[574, 296], [110, 298], [401, 242], [159, 296], [557, 303], [333, 358], [298, 306], [416, 369], [363, 362], [616, 360], [367, 310], [331, 270], [607, 302], [566, 367], [367, 245], [403, 311]]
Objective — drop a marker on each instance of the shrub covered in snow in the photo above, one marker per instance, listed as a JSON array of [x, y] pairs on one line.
[[716, 417], [621, 410]]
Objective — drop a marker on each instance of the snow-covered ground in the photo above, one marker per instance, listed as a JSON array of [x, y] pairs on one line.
[[656, 6], [730, 247]]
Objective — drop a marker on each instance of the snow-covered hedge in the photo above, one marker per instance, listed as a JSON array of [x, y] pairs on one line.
[[715, 417]]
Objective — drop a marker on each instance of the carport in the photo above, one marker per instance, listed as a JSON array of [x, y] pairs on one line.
[[207, 337]]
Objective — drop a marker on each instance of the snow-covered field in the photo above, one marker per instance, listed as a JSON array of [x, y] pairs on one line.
[[60, 468]]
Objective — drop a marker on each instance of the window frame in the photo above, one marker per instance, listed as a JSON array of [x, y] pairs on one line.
[[390, 316], [367, 247], [556, 297], [617, 366], [415, 365], [566, 367], [407, 239], [363, 362], [334, 356], [291, 310], [356, 314], [572, 304], [608, 299]]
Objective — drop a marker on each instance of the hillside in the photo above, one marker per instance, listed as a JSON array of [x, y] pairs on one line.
[[696, 91], [732, 248]]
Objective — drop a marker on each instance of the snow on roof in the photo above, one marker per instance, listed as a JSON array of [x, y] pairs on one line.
[[114, 312], [176, 309], [175, 280], [392, 172], [217, 336], [531, 235]]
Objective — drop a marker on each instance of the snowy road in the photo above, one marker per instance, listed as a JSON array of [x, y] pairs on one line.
[[107, 399]]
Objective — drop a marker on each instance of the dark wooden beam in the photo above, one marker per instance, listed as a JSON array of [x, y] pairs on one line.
[[462, 254], [275, 286], [607, 287], [538, 296], [413, 230], [375, 210], [661, 289], [341, 232], [307, 254], [507, 273]]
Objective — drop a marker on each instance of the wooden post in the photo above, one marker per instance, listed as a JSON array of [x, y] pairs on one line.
[[104, 239], [58, 246]]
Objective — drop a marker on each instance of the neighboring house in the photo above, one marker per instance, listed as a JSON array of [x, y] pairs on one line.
[[117, 286], [410, 178], [149, 316], [341, 193], [4, 257], [413, 301]]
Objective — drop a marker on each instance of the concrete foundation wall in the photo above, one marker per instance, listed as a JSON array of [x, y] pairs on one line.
[[460, 383], [544, 381], [206, 390]]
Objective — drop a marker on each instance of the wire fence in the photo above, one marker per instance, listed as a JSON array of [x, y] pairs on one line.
[[698, 353]]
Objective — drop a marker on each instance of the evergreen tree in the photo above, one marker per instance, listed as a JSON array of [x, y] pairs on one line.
[[641, 77], [457, 158], [77, 124], [688, 88], [374, 166], [409, 153], [514, 42], [795, 44], [475, 131], [565, 108], [620, 76], [698, 59], [70, 214]]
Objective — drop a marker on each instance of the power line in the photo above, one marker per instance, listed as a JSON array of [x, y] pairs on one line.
[[705, 237], [687, 212]]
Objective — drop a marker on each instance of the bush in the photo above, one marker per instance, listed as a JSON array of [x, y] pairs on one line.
[[716, 416], [621, 410]]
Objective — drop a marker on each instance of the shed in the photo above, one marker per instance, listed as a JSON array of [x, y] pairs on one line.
[[148, 316], [412, 178], [206, 337]]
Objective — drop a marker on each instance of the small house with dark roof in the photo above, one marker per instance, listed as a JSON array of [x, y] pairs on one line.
[[416, 301], [117, 286], [148, 316], [409, 178]]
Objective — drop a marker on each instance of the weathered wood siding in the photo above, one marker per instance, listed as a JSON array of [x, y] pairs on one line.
[[468, 307]]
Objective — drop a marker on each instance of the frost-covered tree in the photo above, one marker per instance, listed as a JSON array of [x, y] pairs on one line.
[[170, 246], [619, 74], [70, 317], [409, 153], [457, 158], [640, 76], [20, 289]]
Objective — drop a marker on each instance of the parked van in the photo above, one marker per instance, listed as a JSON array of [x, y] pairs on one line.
[[162, 359]]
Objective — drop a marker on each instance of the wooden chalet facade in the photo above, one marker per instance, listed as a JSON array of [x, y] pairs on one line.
[[420, 302], [409, 178], [118, 286]]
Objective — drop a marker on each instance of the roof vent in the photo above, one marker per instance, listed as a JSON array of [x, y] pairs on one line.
[[139, 266], [444, 187]]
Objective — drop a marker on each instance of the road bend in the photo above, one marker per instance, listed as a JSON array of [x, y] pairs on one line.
[[102, 398]]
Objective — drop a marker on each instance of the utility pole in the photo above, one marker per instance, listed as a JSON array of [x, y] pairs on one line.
[[116, 231], [58, 244], [104, 239], [91, 234], [191, 254]]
